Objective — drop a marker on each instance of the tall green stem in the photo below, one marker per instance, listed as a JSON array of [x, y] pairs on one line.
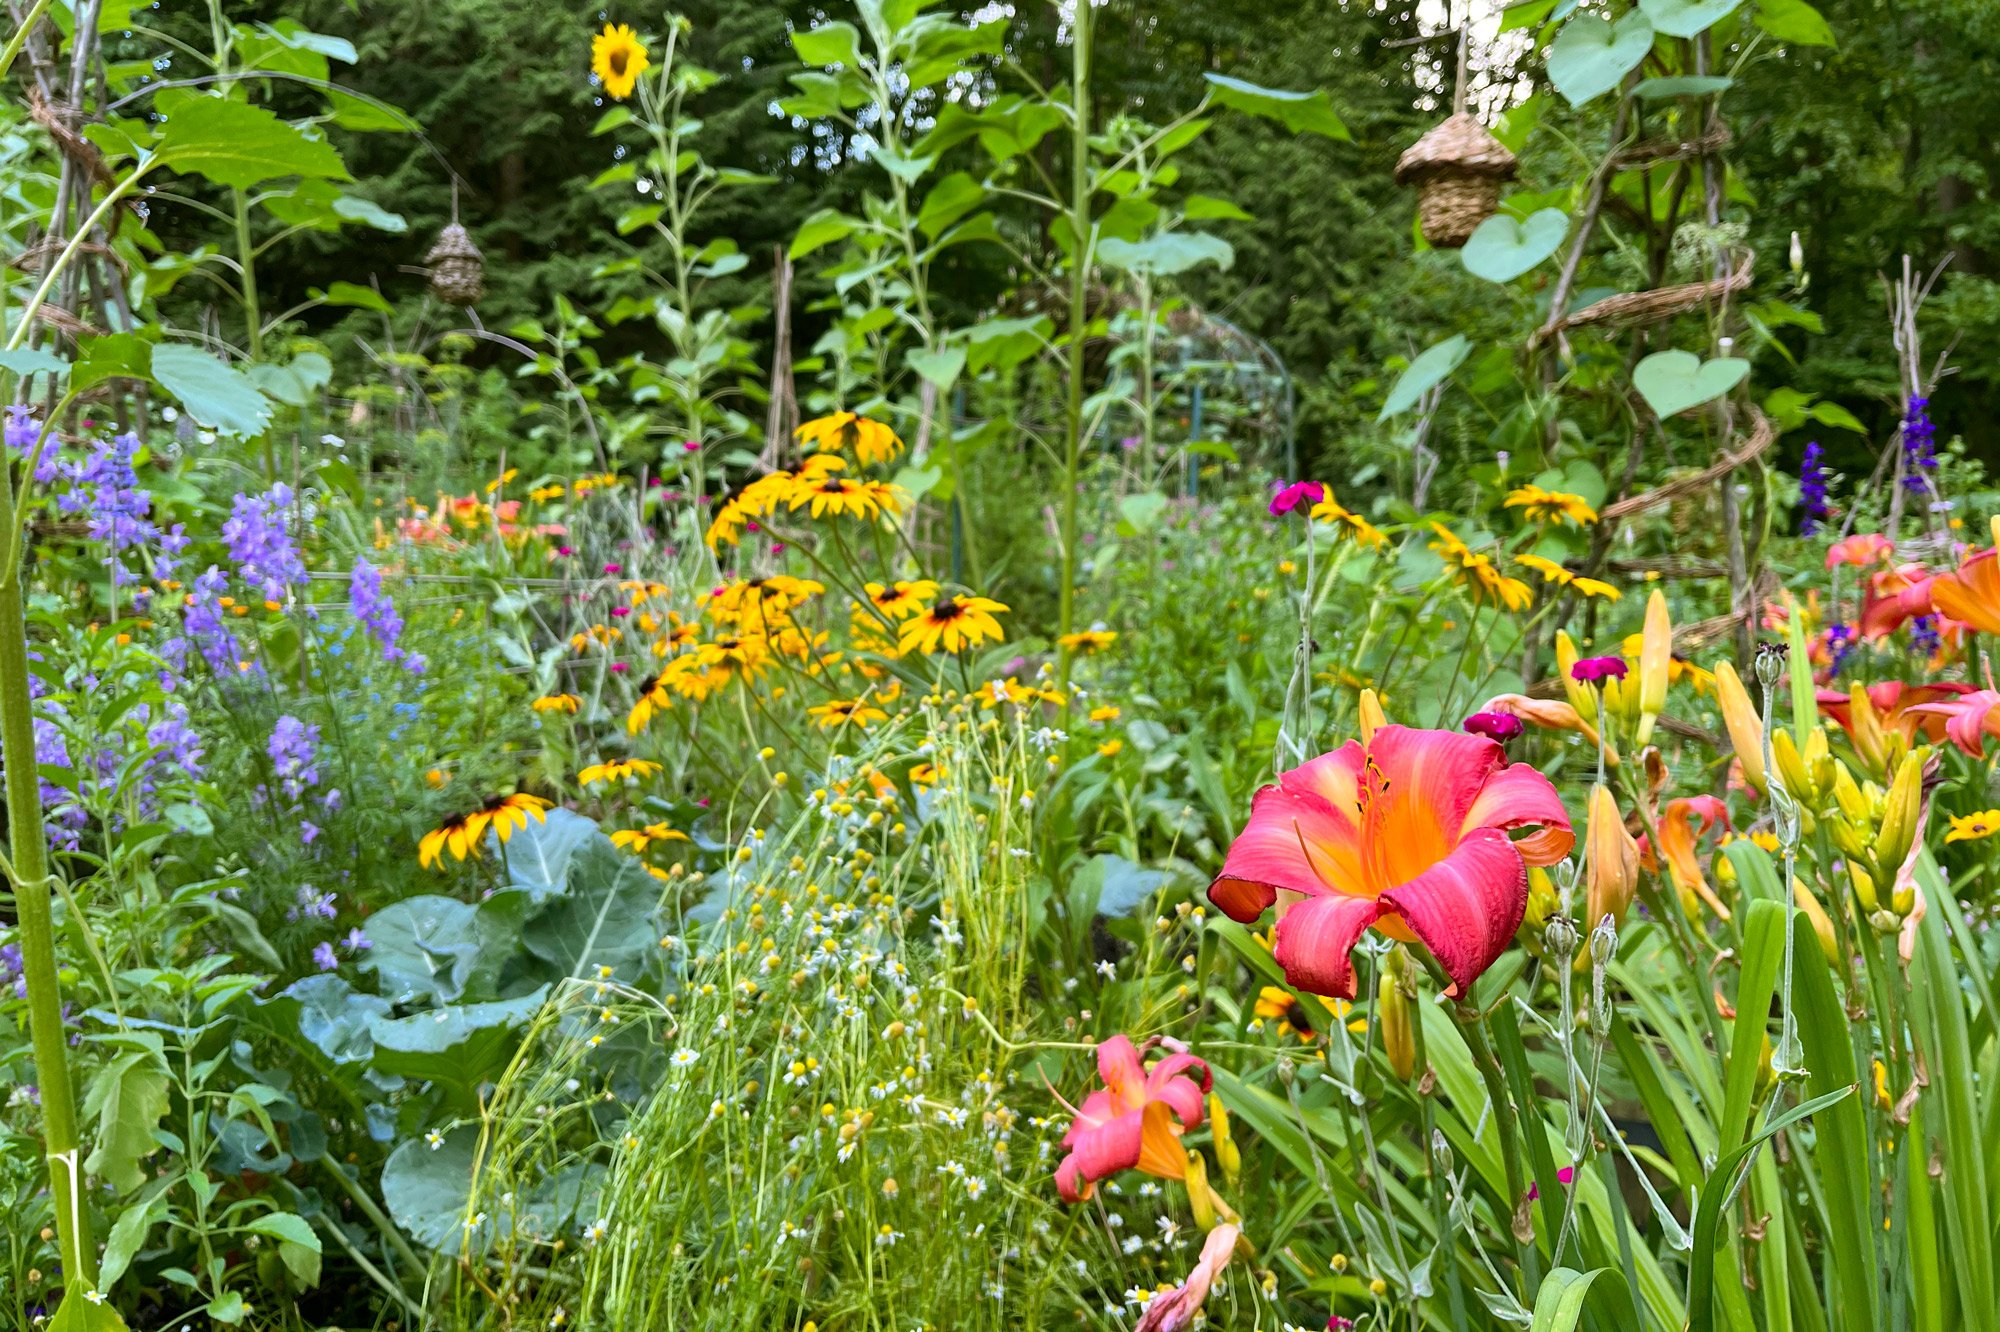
[[32, 898], [1079, 317]]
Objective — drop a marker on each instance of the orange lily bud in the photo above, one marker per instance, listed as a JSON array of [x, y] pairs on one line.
[[1579, 695], [1614, 860], [1227, 1154], [1656, 659], [1822, 924], [1201, 1199], [1746, 728], [1901, 817], [1392, 1011], [1372, 716], [1865, 725]]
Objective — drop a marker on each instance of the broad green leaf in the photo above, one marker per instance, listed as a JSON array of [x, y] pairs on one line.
[[939, 367], [1794, 21], [1590, 56], [329, 1015], [1685, 85], [1673, 382], [354, 295], [239, 145], [1425, 373], [27, 361], [1837, 416], [427, 1188], [605, 919], [950, 199], [1559, 1305], [822, 228], [1501, 248], [127, 1098], [1203, 207], [79, 1313], [113, 356], [1166, 253], [217, 395], [422, 948], [298, 1243], [829, 44], [363, 114], [1139, 513], [128, 1236], [458, 1047], [1298, 112], [1685, 18], [538, 856], [1110, 885]]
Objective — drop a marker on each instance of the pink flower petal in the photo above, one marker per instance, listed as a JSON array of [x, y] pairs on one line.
[[1467, 907], [1315, 938]]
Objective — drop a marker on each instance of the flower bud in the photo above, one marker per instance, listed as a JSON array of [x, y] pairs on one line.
[[1901, 815], [1373, 718], [1577, 691], [1822, 924], [1656, 659], [1227, 1154], [1201, 1200], [1746, 729], [1393, 1013], [1614, 860], [1865, 726]]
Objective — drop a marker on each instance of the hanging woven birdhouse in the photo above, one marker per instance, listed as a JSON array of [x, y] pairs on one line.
[[458, 269], [1458, 169]]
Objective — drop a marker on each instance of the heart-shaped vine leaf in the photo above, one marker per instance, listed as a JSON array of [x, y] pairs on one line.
[[1501, 248], [1673, 381], [1685, 18], [1590, 56], [1683, 85], [1425, 373]]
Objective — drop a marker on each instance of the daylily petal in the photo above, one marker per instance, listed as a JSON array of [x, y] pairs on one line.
[[1519, 796], [1124, 1074], [1294, 839], [1170, 1082], [1440, 773], [1099, 1153], [1467, 907], [1969, 719], [1972, 592], [1316, 936], [1160, 1152]]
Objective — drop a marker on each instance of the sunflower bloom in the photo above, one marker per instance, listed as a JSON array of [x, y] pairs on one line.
[[462, 833], [953, 623], [1550, 506], [869, 441], [618, 59], [617, 771], [1406, 832]]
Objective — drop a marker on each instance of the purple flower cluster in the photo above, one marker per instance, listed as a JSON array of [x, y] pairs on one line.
[[13, 972], [312, 904], [1924, 640], [62, 812], [1839, 644], [376, 610], [211, 635], [1813, 508], [105, 485], [259, 536], [23, 429], [1919, 444], [294, 753]]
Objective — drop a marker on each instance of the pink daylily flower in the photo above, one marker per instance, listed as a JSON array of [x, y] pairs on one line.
[[1407, 833], [1971, 592], [1135, 1121], [1969, 719], [1861, 550], [1175, 1310], [1897, 706], [1893, 597]]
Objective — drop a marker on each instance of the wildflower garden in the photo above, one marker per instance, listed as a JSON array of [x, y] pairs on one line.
[[901, 666]]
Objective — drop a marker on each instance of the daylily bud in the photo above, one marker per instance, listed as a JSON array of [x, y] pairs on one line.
[[1901, 816], [1577, 692], [1543, 901], [1227, 1154], [1822, 924], [1864, 889], [1746, 729], [1656, 659], [1866, 729], [1808, 777], [1614, 860], [1372, 716], [1392, 1011], [1201, 1200], [1853, 801]]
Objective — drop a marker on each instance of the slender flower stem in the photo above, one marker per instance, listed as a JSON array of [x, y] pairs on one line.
[[1081, 235], [32, 901]]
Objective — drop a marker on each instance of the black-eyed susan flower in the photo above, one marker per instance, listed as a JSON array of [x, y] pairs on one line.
[[832, 494], [838, 712], [617, 770], [901, 599], [618, 58], [1283, 1008], [1550, 506], [1974, 827], [869, 441], [636, 840], [654, 696], [757, 601], [1106, 712], [953, 623], [1350, 523], [1559, 575], [1476, 572], [557, 703], [543, 494], [462, 834], [926, 775], [1088, 642]]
